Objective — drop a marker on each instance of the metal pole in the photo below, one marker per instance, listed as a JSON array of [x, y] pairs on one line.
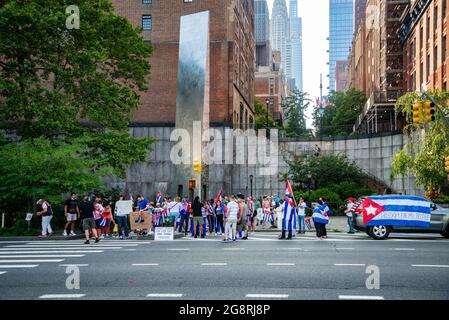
[[3, 220]]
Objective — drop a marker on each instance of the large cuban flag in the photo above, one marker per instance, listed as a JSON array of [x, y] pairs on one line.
[[396, 211], [289, 221]]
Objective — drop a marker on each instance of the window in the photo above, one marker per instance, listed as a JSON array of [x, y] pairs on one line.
[[428, 67], [435, 59], [435, 19], [147, 23], [444, 9], [443, 54], [147, 1]]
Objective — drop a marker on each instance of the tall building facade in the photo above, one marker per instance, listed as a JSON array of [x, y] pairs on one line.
[[280, 35], [262, 33], [341, 29], [232, 58], [296, 44]]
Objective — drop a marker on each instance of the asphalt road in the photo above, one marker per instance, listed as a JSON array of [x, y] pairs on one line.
[[410, 267]]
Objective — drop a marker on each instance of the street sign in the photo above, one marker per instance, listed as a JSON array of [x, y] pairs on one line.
[[29, 217], [164, 234]]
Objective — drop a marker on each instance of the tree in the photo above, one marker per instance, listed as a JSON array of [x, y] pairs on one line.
[[294, 108], [65, 84], [339, 118], [427, 146], [261, 116]]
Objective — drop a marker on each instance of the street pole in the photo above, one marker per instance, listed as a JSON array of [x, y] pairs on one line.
[[251, 177], [3, 220]]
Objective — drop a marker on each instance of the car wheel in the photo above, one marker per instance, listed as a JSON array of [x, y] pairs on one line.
[[379, 232], [446, 233]]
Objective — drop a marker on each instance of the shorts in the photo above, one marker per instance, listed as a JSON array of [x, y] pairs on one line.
[[198, 221], [97, 223], [88, 224], [71, 217]]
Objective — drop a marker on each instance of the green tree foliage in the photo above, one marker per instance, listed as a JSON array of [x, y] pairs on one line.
[[65, 84], [340, 116], [38, 168], [261, 116], [427, 146], [294, 108]]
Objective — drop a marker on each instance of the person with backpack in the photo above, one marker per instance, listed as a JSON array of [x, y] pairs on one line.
[[46, 212]]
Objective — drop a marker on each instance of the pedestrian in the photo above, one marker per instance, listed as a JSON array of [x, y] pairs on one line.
[[288, 218], [301, 216], [232, 213], [349, 215], [219, 214], [211, 219], [71, 212], [87, 214], [46, 212], [326, 213], [174, 210], [197, 208], [320, 220], [123, 209], [98, 213], [250, 218], [107, 219], [185, 215]]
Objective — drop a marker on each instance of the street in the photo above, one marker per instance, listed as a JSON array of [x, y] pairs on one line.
[[410, 267]]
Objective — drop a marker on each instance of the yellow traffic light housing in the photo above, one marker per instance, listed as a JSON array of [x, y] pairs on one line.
[[446, 164], [430, 111], [197, 166], [417, 113]]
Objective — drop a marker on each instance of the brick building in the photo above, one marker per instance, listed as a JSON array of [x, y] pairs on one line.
[[232, 57], [423, 35]]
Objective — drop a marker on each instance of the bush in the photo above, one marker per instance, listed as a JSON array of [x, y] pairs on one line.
[[20, 228], [440, 199]]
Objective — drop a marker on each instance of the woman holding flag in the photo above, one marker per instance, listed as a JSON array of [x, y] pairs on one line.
[[289, 219], [219, 214], [320, 220]]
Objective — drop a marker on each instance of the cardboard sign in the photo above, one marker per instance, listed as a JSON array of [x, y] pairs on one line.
[[164, 234], [146, 224], [29, 217]]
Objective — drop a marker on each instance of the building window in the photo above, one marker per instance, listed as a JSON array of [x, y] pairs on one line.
[[241, 116], [444, 9], [428, 67], [271, 86], [435, 59], [435, 19], [147, 23], [147, 1], [443, 53]]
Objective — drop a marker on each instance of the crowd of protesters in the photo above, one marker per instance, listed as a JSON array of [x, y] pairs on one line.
[[234, 217]]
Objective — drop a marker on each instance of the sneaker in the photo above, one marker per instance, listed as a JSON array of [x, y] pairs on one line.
[[225, 240], [50, 234], [72, 233], [121, 237], [102, 236], [87, 242], [64, 233], [42, 236], [97, 240]]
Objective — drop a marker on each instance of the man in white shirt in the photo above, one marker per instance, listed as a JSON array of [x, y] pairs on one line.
[[302, 216], [231, 219], [348, 212]]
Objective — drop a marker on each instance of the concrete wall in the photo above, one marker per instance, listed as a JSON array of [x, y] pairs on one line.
[[374, 155]]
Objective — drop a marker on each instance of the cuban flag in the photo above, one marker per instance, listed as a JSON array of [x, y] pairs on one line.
[[396, 211], [289, 221], [219, 197], [319, 215], [159, 198]]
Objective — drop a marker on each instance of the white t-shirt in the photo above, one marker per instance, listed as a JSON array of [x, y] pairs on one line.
[[233, 210], [348, 210], [174, 207], [302, 209]]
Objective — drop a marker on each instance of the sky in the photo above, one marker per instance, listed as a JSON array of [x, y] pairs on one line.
[[315, 25]]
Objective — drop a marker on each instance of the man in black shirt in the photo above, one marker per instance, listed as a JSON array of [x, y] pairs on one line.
[[87, 215], [197, 213], [72, 212]]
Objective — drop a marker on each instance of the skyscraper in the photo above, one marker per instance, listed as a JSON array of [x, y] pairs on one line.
[[341, 28], [280, 35], [262, 33], [296, 43]]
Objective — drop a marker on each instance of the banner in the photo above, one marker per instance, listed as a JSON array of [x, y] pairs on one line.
[[396, 211]]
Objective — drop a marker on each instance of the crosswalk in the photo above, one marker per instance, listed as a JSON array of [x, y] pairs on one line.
[[24, 255]]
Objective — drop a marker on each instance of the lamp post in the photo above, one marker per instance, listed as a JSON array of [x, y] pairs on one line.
[[268, 102], [309, 176], [251, 177]]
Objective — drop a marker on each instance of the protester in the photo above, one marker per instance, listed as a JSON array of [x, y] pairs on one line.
[[185, 215], [288, 218], [107, 219], [174, 209], [122, 210], [197, 208], [71, 212], [301, 216], [242, 219], [250, 217], [46, 212], [326, 213], [349, 215], [87, 214], [211, 219], [231, 219], [219, 214], [98, 213], [320, 220]]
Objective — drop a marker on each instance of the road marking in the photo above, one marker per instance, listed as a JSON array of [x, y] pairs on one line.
[[280, 264], [349, 264], [266, 296], [50, 252], [61, 296], [233, 249], [74, 265], [345, 248], [3, 272], [430, 266], [31, 261], [44, 256], [129, 250], [214, 264], [145, 264], [67, 246], [64, 248], [180, 249], [164, 295], [17, 266], [403, 249], [361, 297]]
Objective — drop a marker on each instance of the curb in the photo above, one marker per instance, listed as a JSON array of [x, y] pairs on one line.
[[35, 238]]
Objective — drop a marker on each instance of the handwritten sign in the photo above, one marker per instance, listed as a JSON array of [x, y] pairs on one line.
[[29, 217], [164, 234]]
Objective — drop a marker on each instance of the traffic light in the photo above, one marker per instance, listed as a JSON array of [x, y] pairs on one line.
[[446, 164], [197, 166], [192, 184], [417, 113], [430, 111]]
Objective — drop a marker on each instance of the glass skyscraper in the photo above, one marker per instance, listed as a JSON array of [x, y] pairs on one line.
[[341, 29], [296, 44]]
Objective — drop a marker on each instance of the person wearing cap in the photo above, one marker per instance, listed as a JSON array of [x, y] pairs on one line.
[[46, 212], [348, 212]]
